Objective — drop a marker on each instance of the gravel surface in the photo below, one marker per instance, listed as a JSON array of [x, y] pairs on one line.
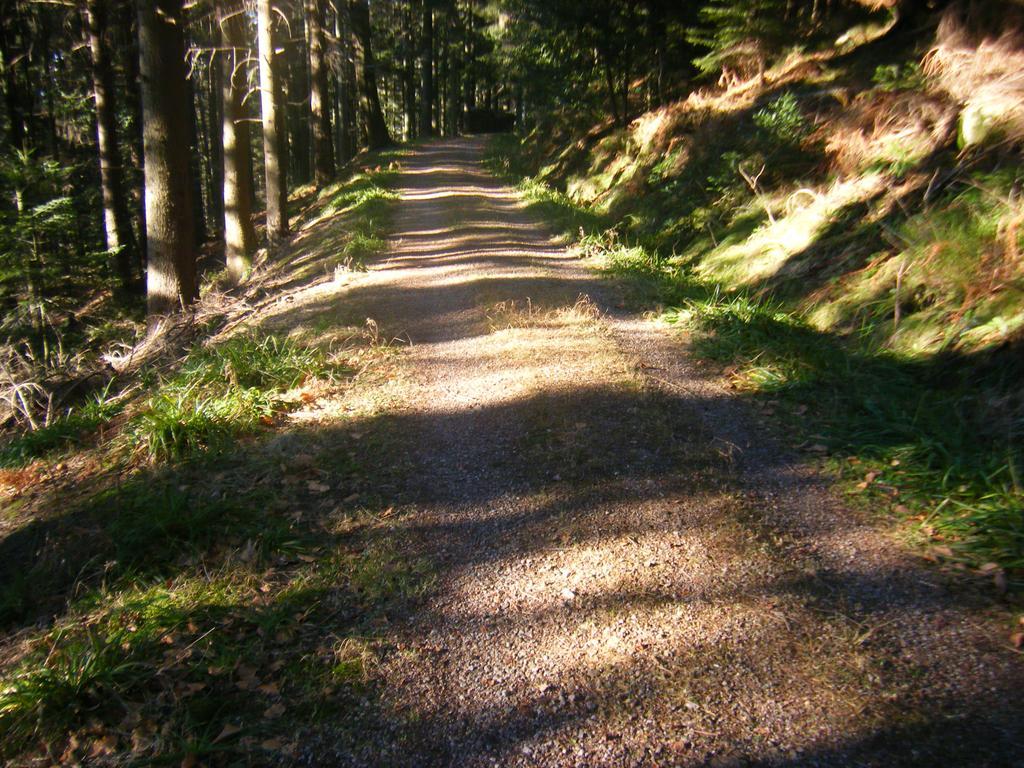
[[628, 570]]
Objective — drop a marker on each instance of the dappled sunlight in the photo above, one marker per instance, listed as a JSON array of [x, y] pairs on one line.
[[806, 213], [441, 193], [490, 526]]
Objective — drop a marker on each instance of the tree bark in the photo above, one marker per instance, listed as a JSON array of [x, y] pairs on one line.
[[294, 63], [427, 71], [129, 23], [239, 234], [409, 75], [170, 226], [195, 156], [345, 82], [215, 144], [377, 135], [323, 150], [116, 225], [273, 128]]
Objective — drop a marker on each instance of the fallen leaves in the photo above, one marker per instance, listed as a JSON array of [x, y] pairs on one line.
[[247, 679], [227, 732]]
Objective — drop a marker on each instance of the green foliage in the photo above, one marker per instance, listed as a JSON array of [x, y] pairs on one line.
[[366, 204], [899, 77], [36, 251], [782, 121], [152, 525], [219, 393], [49, 695], [250, 361], [925, 426], [929, 425], [738, 33], [176, 425]]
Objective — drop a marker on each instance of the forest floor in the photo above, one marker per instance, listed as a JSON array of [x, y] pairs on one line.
[[625, 568], [527, 529]]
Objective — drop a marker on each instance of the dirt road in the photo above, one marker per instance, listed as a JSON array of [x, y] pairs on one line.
[[626, 571]]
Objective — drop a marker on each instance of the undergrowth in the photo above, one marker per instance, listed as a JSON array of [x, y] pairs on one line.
[[204, 603], [67, 432], [366, 202], [219, 393]]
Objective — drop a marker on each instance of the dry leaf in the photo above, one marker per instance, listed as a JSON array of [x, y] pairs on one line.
[[272, 744], [227, 732], [316, 487], [105, 745], [275, 710], [270, 689]]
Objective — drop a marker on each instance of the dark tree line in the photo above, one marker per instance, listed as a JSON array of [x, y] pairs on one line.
[[140, 134]]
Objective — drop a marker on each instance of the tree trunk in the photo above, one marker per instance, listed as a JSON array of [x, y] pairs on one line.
[[170, 228], [130, 29], [409, 75], [377, 135], [295, 104], [346, 84], [609, 80], [195, 156], [215, 111], [239, 234], [442, 80], [116, 226], [427, 71], [323, 151], [273, 144]]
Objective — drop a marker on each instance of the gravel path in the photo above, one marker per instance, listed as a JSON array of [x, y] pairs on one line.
[[627, 571]]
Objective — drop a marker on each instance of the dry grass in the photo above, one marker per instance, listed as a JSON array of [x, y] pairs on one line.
[[505, 315], [979, 61], [884, 127]]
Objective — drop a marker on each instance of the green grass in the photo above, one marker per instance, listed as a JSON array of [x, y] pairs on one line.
[[190, 593], [75, 677], [366, 203], [220, 393], [920, 426]]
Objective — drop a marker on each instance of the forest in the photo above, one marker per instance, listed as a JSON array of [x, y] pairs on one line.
[[511, 382]]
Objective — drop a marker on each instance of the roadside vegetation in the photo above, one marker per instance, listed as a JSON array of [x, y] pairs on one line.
[[167, 543], [831, 238]]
